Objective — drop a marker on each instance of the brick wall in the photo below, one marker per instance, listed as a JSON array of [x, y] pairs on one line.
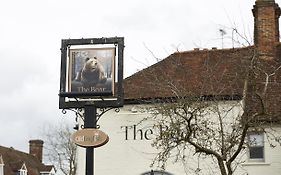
[[266, 29], [36, 148]]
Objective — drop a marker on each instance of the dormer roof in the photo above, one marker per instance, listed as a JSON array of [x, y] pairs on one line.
[[16, 160]]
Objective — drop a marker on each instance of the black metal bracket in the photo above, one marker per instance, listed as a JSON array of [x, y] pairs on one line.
[[80, 114]]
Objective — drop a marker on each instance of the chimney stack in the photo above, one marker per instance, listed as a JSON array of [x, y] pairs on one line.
[[266, 29], [36, 148]]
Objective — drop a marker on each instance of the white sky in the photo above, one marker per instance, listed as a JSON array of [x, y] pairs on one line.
[[31, 33]]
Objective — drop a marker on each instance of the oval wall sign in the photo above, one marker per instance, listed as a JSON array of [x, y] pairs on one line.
[[90, 138]]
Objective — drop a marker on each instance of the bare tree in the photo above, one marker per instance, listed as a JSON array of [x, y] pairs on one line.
[[207, 105], [59, 148]]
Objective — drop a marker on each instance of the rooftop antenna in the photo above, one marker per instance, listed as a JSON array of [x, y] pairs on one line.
[[222, 32]]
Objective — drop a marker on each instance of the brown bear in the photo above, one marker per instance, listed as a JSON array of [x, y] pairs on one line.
[[92, 73]]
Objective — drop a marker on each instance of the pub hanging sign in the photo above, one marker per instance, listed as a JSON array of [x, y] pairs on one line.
[[91, 70], [91, 73]]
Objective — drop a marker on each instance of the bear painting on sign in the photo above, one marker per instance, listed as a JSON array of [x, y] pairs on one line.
[[92, 73], [91, 70]]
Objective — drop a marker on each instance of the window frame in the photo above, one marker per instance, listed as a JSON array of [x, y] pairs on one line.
[[262, 146], [23, 170]]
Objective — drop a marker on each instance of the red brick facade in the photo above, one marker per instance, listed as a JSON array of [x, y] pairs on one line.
[[36, 148], [266, 27]]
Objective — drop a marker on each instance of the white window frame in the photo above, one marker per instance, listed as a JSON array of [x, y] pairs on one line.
[[23, 170], [52, 172], [1, 165], [1, 169], [256, 141]]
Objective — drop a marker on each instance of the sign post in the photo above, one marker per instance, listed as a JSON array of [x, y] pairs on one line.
[[91, 77], [90, 122]]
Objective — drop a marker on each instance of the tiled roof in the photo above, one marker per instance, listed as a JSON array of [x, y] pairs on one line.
[[14, 159], [198, 72], [209, 73]]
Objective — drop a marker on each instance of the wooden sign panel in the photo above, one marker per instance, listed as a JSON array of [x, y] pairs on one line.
[[90, 138]]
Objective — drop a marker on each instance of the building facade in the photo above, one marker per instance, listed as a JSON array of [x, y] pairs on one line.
[[247, 80], [14, 162]]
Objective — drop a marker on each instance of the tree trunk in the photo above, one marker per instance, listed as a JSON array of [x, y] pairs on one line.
[[222, 167]]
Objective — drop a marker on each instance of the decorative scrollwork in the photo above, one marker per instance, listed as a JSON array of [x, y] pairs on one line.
[[64, 111], [79, 113], [117, 110], [104, 110]]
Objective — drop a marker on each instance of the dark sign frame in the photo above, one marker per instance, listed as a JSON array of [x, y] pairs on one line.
[[97, 99]]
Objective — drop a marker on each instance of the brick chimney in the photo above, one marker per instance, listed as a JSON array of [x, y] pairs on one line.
[[266, 29], [36, 148]]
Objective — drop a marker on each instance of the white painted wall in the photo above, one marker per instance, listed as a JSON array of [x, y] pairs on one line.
[[272, 162], [120, 156], [132, 155]]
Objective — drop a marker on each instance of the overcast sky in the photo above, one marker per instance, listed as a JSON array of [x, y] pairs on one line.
[[31, 33]]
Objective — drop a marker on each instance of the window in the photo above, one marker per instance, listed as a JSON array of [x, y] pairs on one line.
[[256, 146], [23, 170]]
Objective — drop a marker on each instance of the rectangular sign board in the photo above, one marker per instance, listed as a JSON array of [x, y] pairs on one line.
[[91, 73], [91, 70]]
